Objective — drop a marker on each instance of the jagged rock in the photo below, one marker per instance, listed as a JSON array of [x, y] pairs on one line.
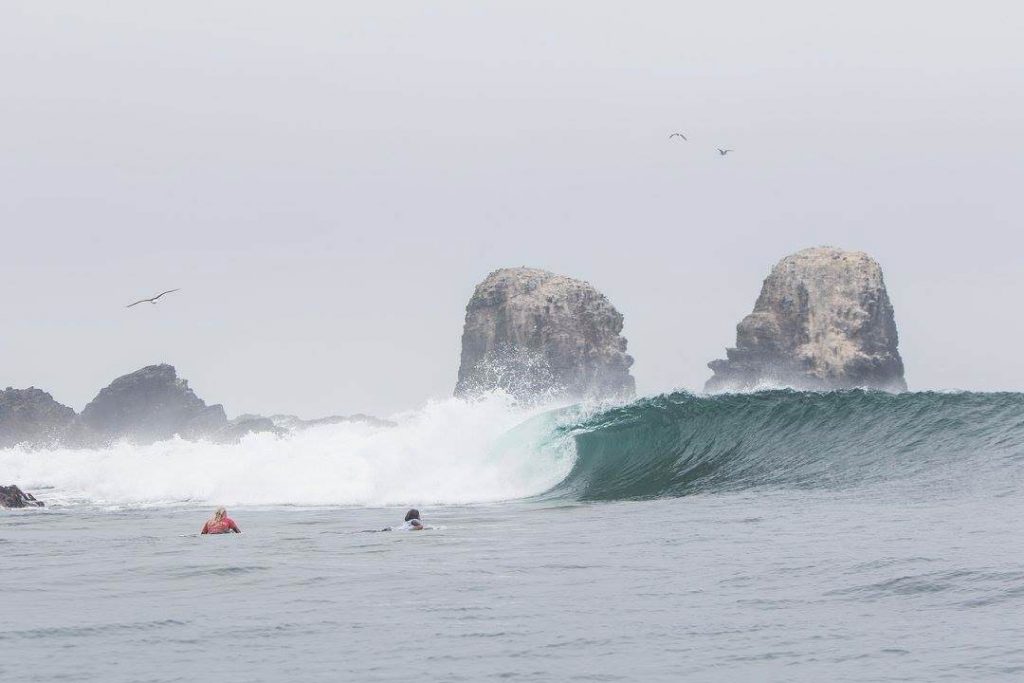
[[31, 416], [13, 497], [531, 332], [149, 405], [823, 321]]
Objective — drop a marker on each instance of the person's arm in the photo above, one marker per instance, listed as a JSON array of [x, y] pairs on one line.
[[233, 526], [206, 528]]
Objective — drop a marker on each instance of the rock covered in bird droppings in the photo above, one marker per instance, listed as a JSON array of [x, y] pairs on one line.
[[534, 333], [823, 321]]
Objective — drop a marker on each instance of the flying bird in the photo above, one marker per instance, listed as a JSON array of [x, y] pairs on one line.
[[723, 152], [153, 300], [677, 135]]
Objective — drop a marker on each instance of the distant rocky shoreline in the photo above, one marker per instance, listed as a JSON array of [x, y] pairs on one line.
[[149, 405]]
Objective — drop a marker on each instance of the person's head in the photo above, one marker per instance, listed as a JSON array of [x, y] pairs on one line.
[[412, 514], [219, 514]]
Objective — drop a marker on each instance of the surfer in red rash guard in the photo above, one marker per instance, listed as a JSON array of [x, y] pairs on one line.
[[220, 523]]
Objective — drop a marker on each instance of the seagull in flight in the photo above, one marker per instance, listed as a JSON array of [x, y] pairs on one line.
[[677, 135], [723, 152], [153, 300]]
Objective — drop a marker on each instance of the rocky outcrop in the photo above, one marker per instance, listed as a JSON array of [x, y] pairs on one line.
[[13, 497], [823, 321], [31, 416], [535, 333], [149, 405]]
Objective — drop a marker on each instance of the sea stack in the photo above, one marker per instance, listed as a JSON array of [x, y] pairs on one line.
[[31, 417], [823, 321], [151, 404], [536, 334]]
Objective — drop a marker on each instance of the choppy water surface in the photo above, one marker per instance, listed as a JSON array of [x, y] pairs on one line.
[[781, 586], [772, 537]]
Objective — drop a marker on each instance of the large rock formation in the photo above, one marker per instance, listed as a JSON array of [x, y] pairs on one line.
[[13, 497], [149, 405], [531, 332], [31, 416], [823, 321]]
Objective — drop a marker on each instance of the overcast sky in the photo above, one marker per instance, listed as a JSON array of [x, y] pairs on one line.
[[327, 181]]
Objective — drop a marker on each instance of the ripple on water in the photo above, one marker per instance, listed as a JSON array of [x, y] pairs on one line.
[[90, 630], [995, 585], [193, 571]]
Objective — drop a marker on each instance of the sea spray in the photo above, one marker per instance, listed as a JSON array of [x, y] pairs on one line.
[[452, 451]]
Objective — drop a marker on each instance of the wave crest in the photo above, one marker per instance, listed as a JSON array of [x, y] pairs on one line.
[[680, 444]]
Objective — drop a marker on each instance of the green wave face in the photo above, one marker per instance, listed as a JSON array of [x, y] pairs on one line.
[[681, 444]]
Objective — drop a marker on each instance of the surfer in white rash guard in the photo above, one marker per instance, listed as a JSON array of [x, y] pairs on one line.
[[412, 521]]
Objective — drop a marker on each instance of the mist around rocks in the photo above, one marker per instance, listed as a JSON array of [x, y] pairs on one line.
[[146, 406], [823, 321]]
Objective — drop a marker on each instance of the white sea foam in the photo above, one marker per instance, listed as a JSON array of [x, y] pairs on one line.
[[450, 451]]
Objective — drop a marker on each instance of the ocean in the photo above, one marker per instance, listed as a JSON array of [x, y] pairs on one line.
[[773, 536]]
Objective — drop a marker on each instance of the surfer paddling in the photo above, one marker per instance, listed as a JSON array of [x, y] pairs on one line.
[[412, 522], [220, 523]]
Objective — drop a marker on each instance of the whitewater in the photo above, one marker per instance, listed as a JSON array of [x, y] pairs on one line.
[[777, 536], [450, 451]]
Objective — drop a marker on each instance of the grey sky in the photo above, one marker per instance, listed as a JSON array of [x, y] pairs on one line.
[[327, 181]]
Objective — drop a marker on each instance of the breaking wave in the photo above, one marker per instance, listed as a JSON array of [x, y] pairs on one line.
[[682, 444], [450, 451], [495, 449]]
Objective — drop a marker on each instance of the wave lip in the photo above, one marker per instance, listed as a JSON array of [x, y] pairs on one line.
[[679, 444]]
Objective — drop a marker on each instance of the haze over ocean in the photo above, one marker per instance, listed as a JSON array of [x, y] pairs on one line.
[[333, 195], [327, 183]]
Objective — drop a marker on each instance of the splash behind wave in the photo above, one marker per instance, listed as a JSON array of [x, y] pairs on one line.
[[451, 451]]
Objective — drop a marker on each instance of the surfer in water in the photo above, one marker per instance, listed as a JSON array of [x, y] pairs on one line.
[[220, 523], [412, 523]]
